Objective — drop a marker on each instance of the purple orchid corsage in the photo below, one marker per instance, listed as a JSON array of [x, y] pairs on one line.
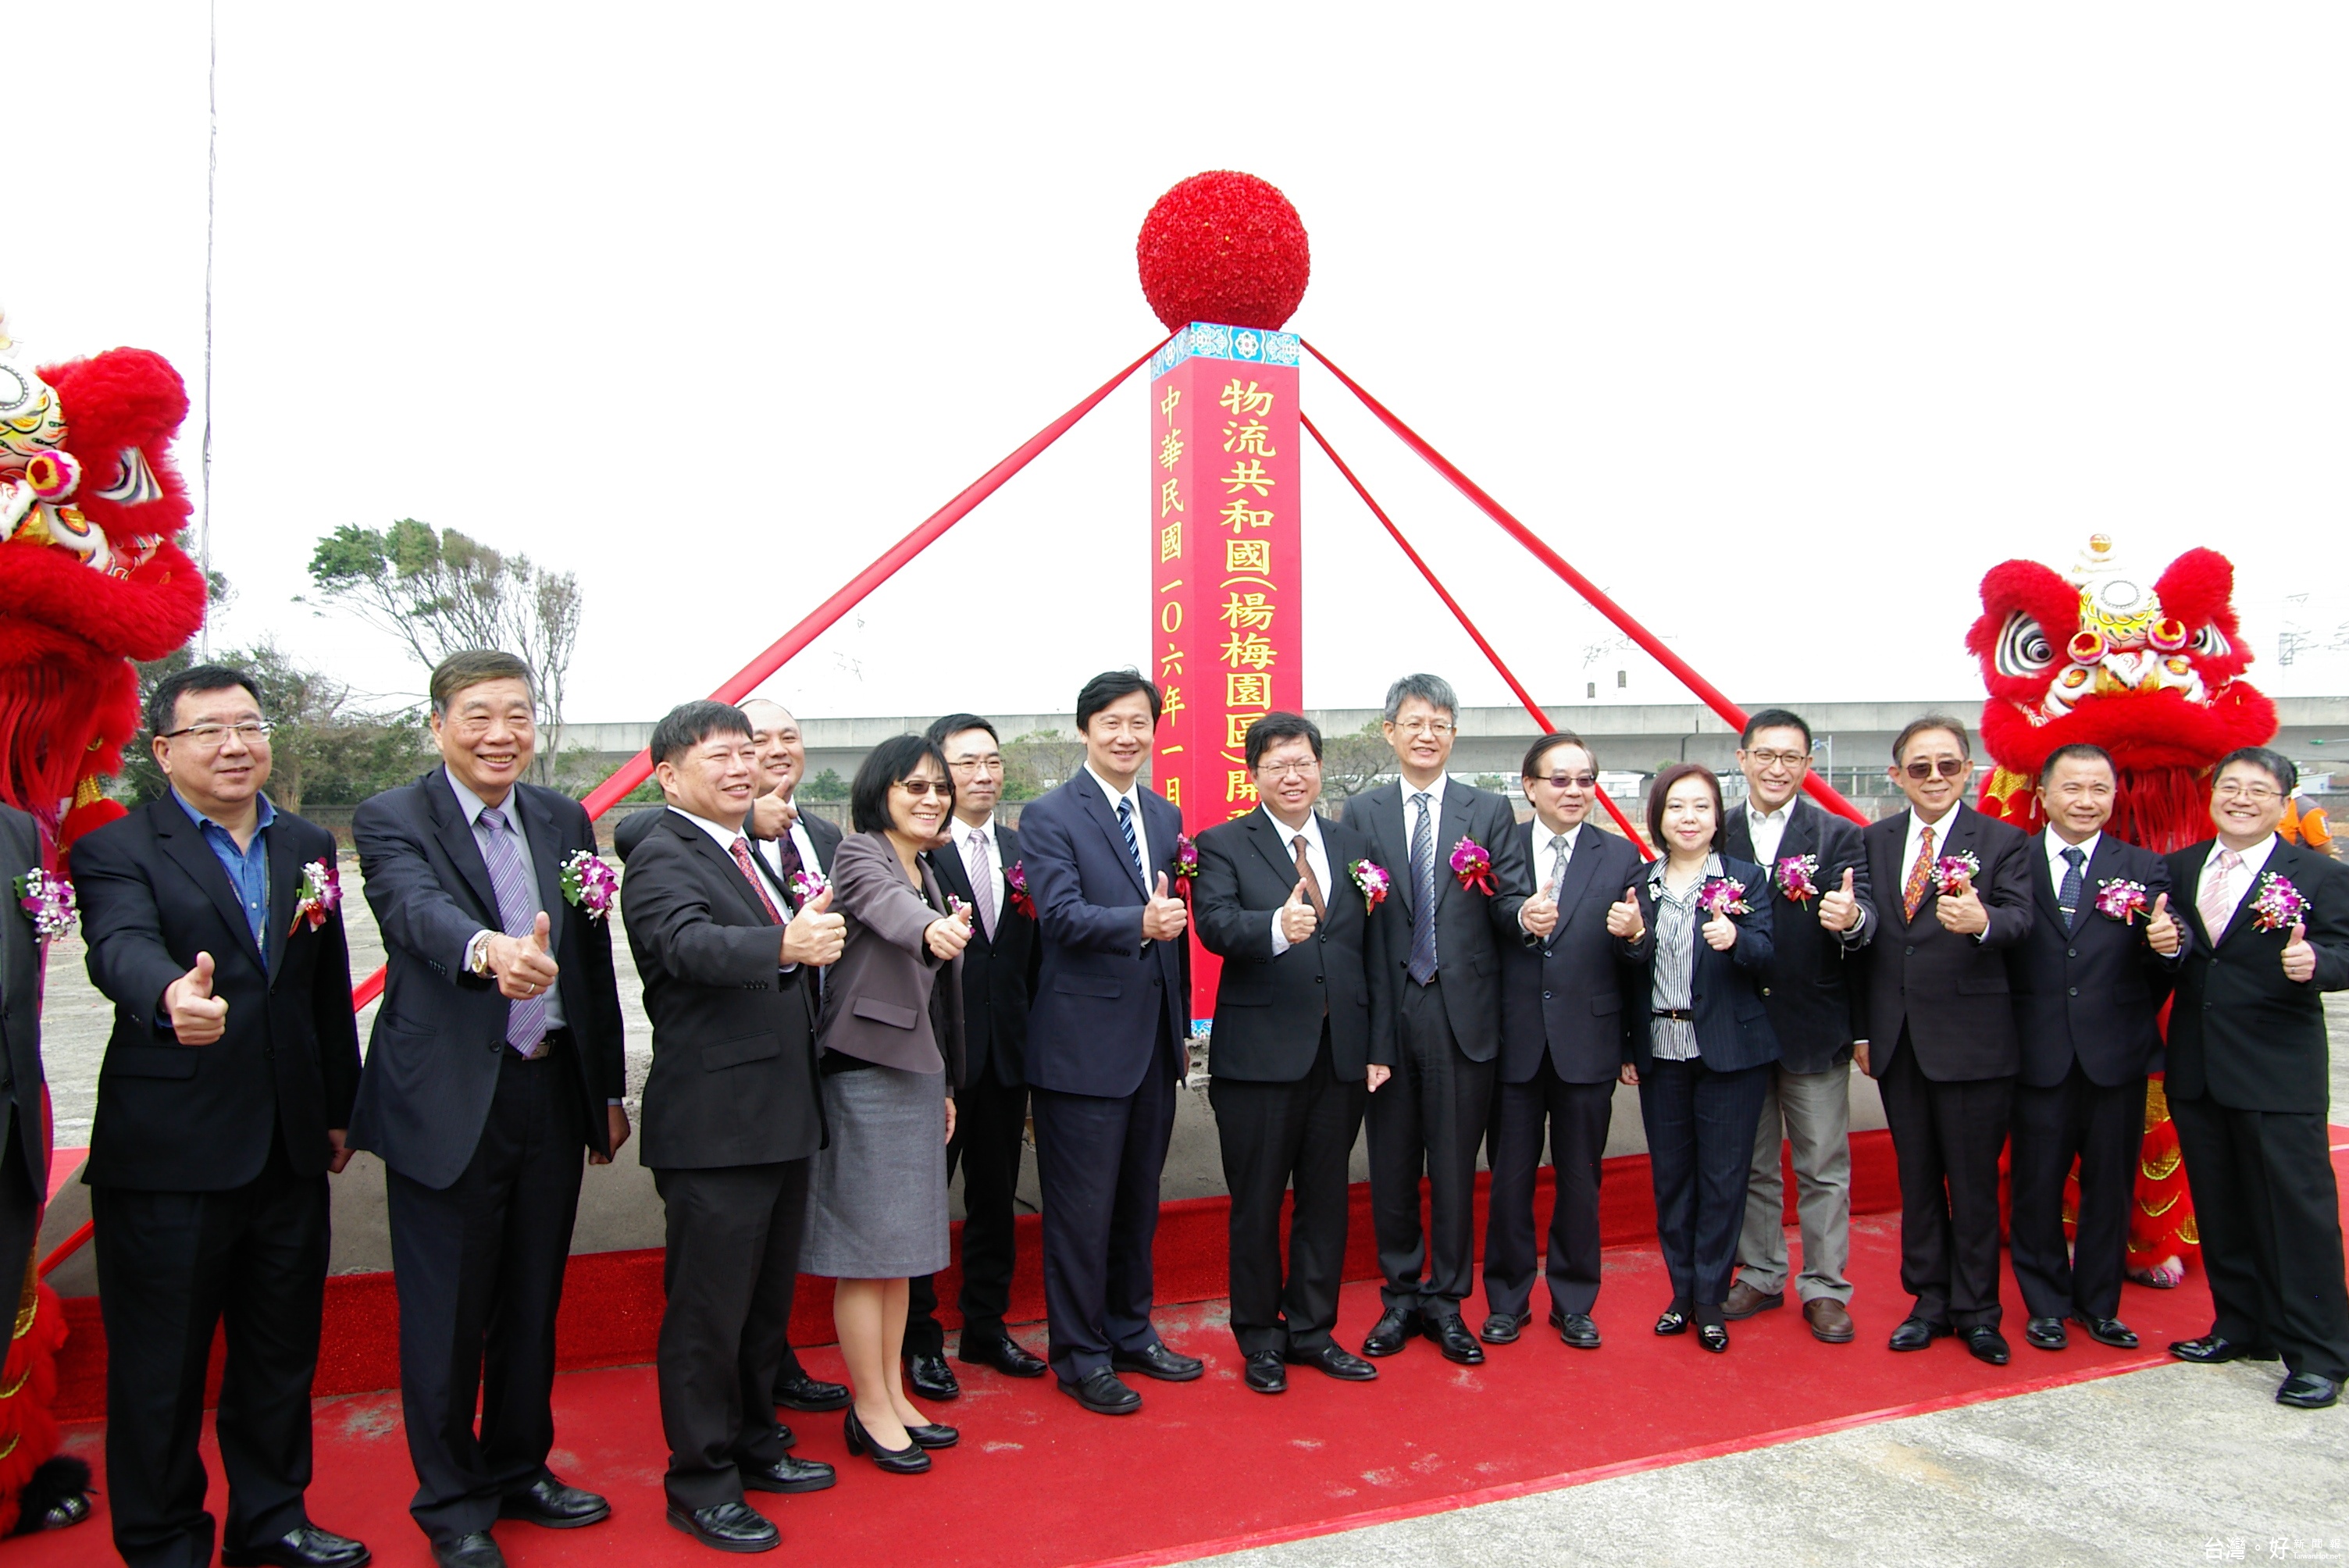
[[589, 884], [1797, 877], [1956, 873], [806, 884], [2122, 900], [321, 894], [48, 900], [1187, 857], [1372, 878], [1473, 864], [1015, 882], [2278, 905], [1723, 895]]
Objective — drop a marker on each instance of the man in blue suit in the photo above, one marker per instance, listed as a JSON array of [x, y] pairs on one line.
[[1106, 1043]]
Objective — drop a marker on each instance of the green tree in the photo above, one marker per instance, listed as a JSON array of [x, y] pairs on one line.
[[1040, 761], [1353, 763], [827, 785]]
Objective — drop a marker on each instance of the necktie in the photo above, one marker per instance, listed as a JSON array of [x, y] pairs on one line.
[[742, 847], [517, 913], [2218, 900], [1559, 848], [1313, 883], [2067, 897], [1422, 882], [1133, 844], [1920, 875], [980, 866], [787, 855]]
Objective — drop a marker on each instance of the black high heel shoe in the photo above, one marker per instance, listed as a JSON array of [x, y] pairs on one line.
[[934, 1435], [1713, 1336], [909, 1460], [1673, 1321]]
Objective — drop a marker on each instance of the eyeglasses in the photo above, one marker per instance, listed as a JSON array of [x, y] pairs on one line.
[[1946, 766], [2234, 788], [1419, 727], [1780, 759], [212, 737], [1300, 768], [1571, 781], [918, 788], [976, 765]]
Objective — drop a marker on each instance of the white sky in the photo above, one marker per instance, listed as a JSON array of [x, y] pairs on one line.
[[1782, 322]]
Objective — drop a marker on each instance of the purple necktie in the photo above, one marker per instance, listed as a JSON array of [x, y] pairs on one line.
[[518, 912], [980, 866]]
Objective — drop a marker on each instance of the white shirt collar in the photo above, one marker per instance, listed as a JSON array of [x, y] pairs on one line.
[[1542, 839], [1132, 791], [472, 804], [717, 831], [1312, 829], [2255, 859], [2056, 846]]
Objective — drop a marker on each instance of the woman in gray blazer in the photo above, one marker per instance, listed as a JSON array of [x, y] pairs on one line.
[[877, 1190]]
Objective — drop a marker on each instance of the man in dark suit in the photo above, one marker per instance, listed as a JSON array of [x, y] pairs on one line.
[[732, 1109], [1296, 1027], [1821, 921], [1442, 982], [2247, 1085], [790, 843], [1941, 1043], [24, 1167], [999, 985], [495, 1062], [2088, 987], [1565, 1034], [222, 1105], [1108, 1043]]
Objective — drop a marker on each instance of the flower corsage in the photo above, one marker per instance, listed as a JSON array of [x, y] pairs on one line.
[[2122, 900], [1187, 864], [1474, 866], [321, 894], [1797, 877], [1956, 873], [589, 884], [1723, 895], [806, 884], [48, 900], [1015, 882], [2278, 905], [1372, 878]]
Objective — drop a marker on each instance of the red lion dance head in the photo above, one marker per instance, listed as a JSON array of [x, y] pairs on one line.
[[89, 578], [2146, 673]]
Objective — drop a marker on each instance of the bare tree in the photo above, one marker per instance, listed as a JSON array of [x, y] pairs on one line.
[[1353, 763]]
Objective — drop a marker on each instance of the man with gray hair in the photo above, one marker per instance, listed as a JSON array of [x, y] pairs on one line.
[[1461, 879]]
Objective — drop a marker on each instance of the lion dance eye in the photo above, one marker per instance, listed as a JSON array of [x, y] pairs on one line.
[[2022, 647], [2211, 643]]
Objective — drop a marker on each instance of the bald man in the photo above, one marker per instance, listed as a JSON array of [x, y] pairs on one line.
[[790, 843]]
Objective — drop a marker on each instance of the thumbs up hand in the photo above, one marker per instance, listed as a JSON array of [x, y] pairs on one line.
[[2161, 929], [2299, 957], [1624, 920], [1164, 917], [950, 934], [1296, 917], [815, 935], [1840, 907], [1719, 933], [198, 1017], [523, 966], [1538, 915]]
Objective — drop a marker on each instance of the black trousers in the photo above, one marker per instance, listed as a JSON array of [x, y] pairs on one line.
[[1700, 1126], [1427, 1119], [1946, 1138], [1098, 1159], [2269, 1215], [172, 1266], [1574, 1117], [2104, 1130], [1274, 1135], [990, 1128], [478, 1266], [733, 1249], [20, 1208]]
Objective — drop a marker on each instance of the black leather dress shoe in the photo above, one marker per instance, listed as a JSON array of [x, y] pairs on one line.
[[1915, 1333], [547, 1502], [1984, 1343], [2213, 1348], [1342, 1365], [729, 1526], [2307, 1391], [303, 1546], [810, 1396], [930, 1377], [1451, 1337], [474, 1551], [911, 1459], [934, 1435], [1713, 1336], [2045, 1334], [1503, 1327], [1265, 1373], [1006, 1355], [1577, 1330], [1157, 1361], [1672, 1320], [2109, 1331], [1102, 1394], [1391, 1332], [787, 1474]]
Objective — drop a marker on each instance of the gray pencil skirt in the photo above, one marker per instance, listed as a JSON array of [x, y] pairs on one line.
[[877, 1192]]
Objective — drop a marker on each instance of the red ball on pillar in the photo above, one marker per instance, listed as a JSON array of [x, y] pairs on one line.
[[1224, 247]]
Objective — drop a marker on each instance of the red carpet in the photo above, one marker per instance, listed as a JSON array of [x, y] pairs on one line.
[[1209, 1467]]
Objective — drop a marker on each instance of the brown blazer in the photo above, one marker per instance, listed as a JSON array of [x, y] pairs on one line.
[[877, 999]]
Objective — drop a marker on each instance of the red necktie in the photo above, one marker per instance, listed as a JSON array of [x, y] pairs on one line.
[[741, 848]]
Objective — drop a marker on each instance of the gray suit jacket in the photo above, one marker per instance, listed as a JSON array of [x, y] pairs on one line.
[[876, 999]]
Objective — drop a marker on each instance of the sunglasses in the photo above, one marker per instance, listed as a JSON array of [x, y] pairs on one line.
[[1948, 768], [917, 788], [1572, 780]]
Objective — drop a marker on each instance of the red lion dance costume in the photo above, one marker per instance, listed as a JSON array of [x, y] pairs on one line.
[[2150, 675], [89, 580]]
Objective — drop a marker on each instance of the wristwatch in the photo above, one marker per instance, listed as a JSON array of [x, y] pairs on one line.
[[476, 953]]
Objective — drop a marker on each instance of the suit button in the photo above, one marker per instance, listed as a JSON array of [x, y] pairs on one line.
[[495, 1045], [2074, 991], [1909, 953], [2072, 952], [1317, 979], [1765, 990], [1545, 996], [269, 1053]]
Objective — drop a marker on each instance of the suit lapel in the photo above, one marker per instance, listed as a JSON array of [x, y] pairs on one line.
[[456, 836], [2043, 878], [546, 858], [722, 865], [1581, 870], [1380, 809], [284, 883], [1097, 807], [184, 843]]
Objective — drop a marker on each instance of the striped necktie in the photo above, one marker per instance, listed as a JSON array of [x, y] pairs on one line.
[[1133, 844], [518, 912], [1422, 887]]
